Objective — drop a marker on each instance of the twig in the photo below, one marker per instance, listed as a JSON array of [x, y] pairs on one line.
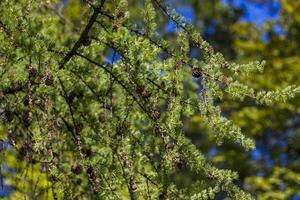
[[83, 36]]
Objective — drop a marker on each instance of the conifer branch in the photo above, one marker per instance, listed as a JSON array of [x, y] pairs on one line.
[[84, 35], [118, 81]]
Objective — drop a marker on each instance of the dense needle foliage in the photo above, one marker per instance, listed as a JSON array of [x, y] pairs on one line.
[[98, 111]]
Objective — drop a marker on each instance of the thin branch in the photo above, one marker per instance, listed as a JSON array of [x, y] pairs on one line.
[[119, 82], [84, 35]]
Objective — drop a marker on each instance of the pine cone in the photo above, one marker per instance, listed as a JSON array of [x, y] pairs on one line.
[[181, 165], [88, 152], [32, 72], [55, 159], [26, 101], [91, 173], [120, 15], [102, 117], [155, 114], [79, 127], [141, 90], [196, 72], [171, 144], [78, 169], [54, 178], [210, 50], [210, 176], [8, 116], [146, 94], [28, 117], [25, 149], [49, 79]]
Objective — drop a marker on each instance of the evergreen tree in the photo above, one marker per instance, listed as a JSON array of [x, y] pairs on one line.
[[99, 105]]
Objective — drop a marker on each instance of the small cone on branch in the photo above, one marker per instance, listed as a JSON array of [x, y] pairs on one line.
[[146, 94], [102, 117], [155, 114], [48, 79], [78, 169], [196, 72], [32, 72], [141, 90]]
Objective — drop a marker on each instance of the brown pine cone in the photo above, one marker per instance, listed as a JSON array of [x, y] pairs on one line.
[[78, 169], [196, 72]]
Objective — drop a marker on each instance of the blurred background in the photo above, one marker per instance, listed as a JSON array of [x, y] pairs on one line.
[[243, 30]]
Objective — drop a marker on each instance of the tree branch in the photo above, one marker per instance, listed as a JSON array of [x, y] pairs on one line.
[[83, 36]]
